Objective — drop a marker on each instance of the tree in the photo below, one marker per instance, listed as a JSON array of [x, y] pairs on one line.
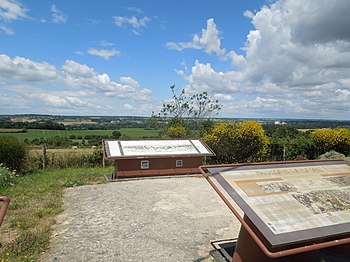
[[116, 134], [153, 121], [288, 143], [238, 142], [197, 106]]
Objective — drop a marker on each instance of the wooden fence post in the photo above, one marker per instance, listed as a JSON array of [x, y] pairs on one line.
[[44, 156]]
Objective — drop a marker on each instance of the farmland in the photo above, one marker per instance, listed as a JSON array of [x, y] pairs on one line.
[[37, 133]]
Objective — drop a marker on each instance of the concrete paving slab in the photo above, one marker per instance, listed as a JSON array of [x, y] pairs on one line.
[[164, 219]]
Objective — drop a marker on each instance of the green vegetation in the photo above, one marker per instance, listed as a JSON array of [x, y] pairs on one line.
[[238, 142], [7, 177], [64, 158], [12, 152], [35, 201], [332, 139], [126, 132], [287, 143]]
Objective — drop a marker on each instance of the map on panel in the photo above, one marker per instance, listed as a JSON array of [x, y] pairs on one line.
[[289, 199]]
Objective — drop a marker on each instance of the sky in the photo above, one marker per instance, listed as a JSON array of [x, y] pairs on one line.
[[260, 59]]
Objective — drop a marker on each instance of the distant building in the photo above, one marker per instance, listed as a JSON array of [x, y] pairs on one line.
[[280, 123], [137, 158]]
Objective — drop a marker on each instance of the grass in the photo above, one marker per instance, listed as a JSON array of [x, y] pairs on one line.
[[37, 133], [35, 201], [8, 130]]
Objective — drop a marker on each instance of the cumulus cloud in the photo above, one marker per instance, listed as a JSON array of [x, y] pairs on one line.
[[209, 41], [69, 85], [104, 53], [9, 11], [58, 16], [24, 69], [137, 24], [296, 61]]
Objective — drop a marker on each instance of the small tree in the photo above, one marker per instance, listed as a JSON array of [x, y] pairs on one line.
[[197, 106], [116, 134]]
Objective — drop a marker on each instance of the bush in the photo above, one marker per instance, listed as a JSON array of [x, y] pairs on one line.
[[7, 177], [12, 152], [332, 139], [238, 142], [332, 155]]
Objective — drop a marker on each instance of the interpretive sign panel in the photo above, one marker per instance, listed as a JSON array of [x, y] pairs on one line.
[[132, 148], [291, 202]]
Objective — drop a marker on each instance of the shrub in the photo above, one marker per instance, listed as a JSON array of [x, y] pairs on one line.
[[332, 155], [7, 177], [332, 139], [238, 142], [12, 152]]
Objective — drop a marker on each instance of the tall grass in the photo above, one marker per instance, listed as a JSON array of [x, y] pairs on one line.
[[64, 158]]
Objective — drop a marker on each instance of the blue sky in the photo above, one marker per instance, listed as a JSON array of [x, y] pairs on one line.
[[279, 59]]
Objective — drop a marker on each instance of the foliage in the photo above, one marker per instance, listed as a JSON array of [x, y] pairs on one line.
[[64, 158], [153, 122], [197, 106], [238, 142], [176, 132], [32, 125], [12, 152], [176, 128], [80, 134], [36, 199], [332, 139], [116, 134], [332, 155], [287, 143], [7, 177]]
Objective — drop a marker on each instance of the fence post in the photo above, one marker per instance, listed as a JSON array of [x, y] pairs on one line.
[[44, 156]]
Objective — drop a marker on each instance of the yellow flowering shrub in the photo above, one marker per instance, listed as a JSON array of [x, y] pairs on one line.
[[238, 142], [332, 139], [176, 132]]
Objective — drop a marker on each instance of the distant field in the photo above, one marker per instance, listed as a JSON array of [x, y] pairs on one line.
[[37, 133], [6, 130]]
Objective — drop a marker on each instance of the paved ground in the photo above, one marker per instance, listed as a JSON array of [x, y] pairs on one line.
[[165, 219]]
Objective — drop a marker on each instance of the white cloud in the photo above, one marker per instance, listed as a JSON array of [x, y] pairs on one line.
[[128, 107], [209, 41], [137, 24], [127, 80], [204, 78], [7, 30], [106, 43], [296, 62], [10, 10], [67, 88], [135, 9], [58, 16], [104, 53], [23, 69]]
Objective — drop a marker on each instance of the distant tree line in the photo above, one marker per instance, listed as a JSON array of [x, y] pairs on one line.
[[31, 125]]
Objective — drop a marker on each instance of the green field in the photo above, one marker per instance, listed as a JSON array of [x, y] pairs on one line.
[[37, 133]]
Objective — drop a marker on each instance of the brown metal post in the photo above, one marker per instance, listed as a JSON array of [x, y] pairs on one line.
[[247, 249], [4, 207]]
